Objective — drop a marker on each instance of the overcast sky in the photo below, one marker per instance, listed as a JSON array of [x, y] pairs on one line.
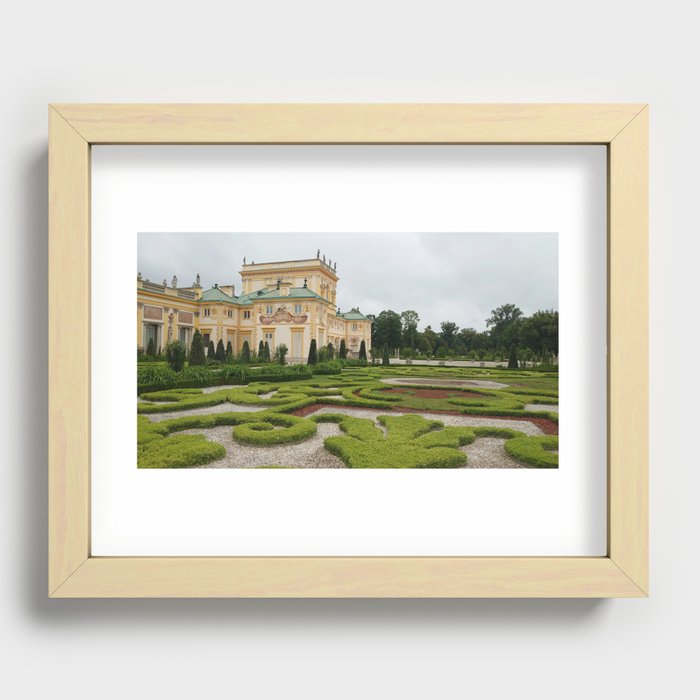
[[456, 277]]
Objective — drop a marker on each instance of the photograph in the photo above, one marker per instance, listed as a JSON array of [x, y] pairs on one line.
[[347, 350]]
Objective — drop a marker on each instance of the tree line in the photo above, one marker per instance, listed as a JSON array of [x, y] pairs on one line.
[[535, 337]]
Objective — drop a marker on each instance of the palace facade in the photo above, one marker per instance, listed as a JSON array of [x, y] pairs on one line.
[[289, 302]]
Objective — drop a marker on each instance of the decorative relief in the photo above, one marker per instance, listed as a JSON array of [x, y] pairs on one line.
[[153, 313], [186, 317], [282, 316]]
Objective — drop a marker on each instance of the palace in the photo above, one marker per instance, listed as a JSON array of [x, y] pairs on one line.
[[289, 302]]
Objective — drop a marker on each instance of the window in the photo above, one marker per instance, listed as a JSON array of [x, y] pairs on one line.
[[185, 336], [268, 309], [268, 338], [246, 314], [205, 340], [230, 313], [207, 311], [150, 333], [354, 326], [297, 308]]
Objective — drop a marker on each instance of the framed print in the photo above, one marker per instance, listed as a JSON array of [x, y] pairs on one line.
[[349, 372]]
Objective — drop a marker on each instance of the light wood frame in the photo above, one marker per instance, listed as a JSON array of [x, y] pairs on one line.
[[73, 572]]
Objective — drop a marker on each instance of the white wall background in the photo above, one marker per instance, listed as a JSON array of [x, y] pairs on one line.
[[361, 51]]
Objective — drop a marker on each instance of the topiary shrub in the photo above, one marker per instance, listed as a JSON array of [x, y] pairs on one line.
[[313, 355], [197, 350], [175, 355], [281, 353], [220, 352], [266, 353], [261, 351], [343, 351], [513, 358], [151, 349], [211, 351], [245, 352], [363, 351], [385, 355]]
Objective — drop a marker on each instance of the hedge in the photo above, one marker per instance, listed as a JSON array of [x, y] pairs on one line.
[[275, 430], [178, 451], [158, 379], [536, 451], [364, 446]]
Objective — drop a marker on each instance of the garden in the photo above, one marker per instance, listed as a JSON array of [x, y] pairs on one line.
[[346, 414]]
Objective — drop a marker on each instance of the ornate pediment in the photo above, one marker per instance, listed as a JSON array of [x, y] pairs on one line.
[[282, 316]]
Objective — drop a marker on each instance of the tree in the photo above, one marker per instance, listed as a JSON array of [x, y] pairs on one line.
[[363, 351], [343, 351], [211, 351], [409, 327], [503, 324], [385, 355], [261, 351], [513, 359], [330, 350], [448, 334], [541, 330], [151, 349], [281, 353], [245, 352], [229, 349], [197, 350], [423, 345], [313, 355], [386, 330], [220, 351], [431, 338], [175, 354], [465, 339], [266, 352]]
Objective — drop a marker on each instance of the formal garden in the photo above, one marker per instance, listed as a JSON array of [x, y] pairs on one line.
[[340, 413]]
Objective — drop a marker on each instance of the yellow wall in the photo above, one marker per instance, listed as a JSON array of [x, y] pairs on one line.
[[322, 319]]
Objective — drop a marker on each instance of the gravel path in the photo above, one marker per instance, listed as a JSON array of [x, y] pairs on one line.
[[310, 454], [489, 453], [481, 383], [483, 453], [552, 408], [219, 408]]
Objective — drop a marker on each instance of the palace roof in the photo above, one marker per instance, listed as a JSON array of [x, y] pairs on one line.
[[216, 295], [353, 316]]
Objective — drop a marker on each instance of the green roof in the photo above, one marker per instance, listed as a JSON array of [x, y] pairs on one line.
[[215, 294], [294, 293], [353, 316]]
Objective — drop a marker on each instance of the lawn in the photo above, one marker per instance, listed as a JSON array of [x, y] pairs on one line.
[[269, 413]]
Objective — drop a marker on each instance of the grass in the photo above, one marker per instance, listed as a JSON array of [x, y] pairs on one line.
[[411, 441]]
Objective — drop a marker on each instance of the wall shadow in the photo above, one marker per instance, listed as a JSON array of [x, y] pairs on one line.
[[32, 528]]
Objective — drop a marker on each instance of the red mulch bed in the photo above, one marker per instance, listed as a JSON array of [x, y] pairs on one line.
[[548, 427]]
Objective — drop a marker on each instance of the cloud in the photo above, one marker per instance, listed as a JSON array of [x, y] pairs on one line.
[[456, 277]]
